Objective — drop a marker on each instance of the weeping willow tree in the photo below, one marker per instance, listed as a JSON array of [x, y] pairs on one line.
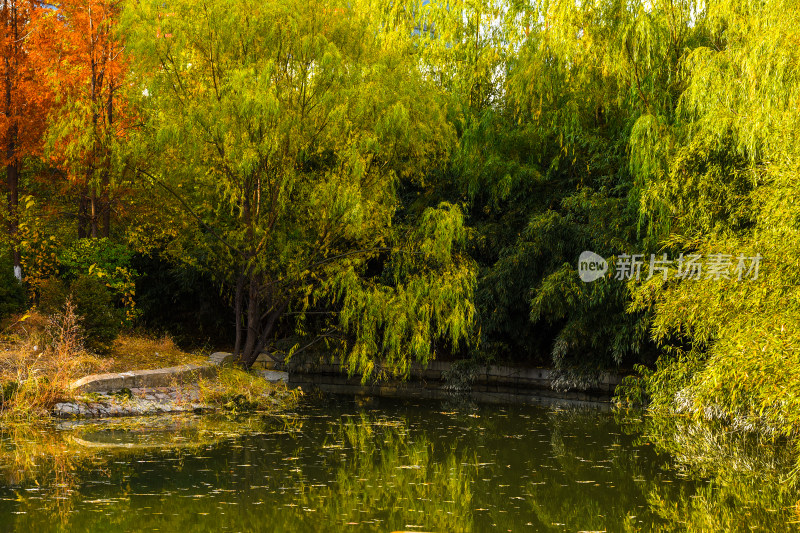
[[286, 131], [590, 73], [722, 179], [544, 97]]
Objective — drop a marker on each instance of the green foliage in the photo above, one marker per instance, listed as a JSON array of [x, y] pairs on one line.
[[725, 183], [545, 170], [38, 245], [286, 131], [102, 254], [12, 292], [53, 293], [100, 321], [105, 260], [396, 181], [459, 377]]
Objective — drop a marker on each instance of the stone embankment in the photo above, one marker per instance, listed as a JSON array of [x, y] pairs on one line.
[[133, 402], [488, 384], [146, 392], [144, 379], [137, 393]]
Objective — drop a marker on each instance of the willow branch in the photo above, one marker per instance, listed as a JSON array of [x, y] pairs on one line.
[[191, 212]]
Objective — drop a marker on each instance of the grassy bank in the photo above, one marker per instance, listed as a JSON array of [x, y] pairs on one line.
[[40, 355]]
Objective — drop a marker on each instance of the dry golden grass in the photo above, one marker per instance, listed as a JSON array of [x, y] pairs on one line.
[[141, 352], [41, 355], [39, 358]]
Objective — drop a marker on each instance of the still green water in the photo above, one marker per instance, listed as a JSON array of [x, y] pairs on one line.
[[339, 464]]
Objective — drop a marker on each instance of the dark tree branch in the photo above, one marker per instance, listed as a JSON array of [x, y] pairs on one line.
[[191, 211]]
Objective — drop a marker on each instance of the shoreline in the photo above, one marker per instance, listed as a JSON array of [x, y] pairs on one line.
[[482, 383]]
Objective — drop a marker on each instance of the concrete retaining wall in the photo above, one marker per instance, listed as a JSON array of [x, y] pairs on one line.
[[498, 384], [432, 390], [144, 379]]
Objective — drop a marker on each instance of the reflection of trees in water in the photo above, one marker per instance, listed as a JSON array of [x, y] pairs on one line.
[[750, 481], [380, 477], [594, 479], [36, 458], [48, 468], [395, 478], [556, 469]]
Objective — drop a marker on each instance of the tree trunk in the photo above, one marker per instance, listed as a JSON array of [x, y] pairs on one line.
[[93, 212], [83, 214], [95, 118], [12, 161], [247, 359], [249, 354], [237, 306], [105, 178], [274, 315], [105, 206], [12, 182]]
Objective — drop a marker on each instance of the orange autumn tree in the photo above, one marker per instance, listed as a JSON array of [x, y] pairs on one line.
[[89, 120], [24, 102]]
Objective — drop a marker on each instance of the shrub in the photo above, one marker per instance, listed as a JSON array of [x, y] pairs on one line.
[[236, 390], [102, 253], [35, 375], [52, 295], [99, 319], [461, 375], [101, 322], [106, 260], [12, 293]]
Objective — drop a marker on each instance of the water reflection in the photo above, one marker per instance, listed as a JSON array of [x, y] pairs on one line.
[[381, 466], [751, 481]]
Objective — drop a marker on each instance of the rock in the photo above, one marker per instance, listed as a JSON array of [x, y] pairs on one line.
[[221, 359], [65, 410], [268, 361], [274, 375], [143, 401]]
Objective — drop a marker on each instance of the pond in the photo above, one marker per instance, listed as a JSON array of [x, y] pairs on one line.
[[349, 464]]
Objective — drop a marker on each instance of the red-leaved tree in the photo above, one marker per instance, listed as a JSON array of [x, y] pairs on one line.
[[88, 121], [24, 103]]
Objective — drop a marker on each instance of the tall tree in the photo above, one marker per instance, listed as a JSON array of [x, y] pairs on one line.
[[720, 181], [545, 98], [285, 129], [24, 102], [89, 74], [585, 74]]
